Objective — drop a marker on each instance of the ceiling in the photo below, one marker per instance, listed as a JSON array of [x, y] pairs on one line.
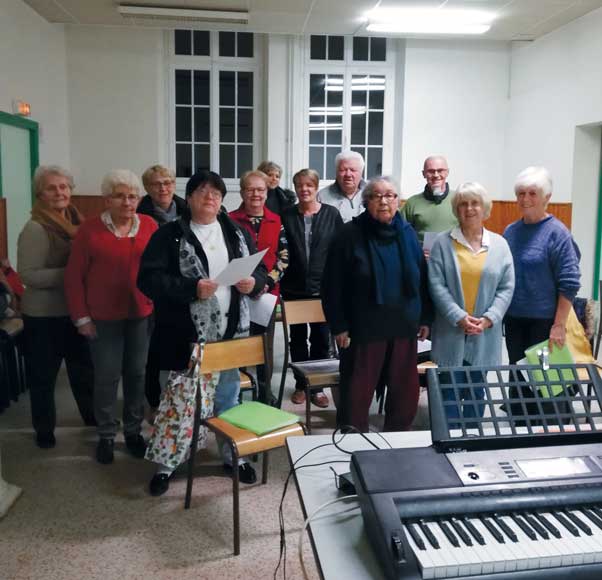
[[516, 20]]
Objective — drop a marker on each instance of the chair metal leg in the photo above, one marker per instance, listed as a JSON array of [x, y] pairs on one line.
[[264, 467], [193, 446], [308, 408], [235, 499]]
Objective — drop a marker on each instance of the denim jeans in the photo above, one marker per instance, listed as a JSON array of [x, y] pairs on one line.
[[469, 402]]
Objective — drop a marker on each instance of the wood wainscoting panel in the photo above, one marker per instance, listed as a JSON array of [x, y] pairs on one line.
[[89, 205]]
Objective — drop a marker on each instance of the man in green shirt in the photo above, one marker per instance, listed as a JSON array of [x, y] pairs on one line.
[[430, 211]]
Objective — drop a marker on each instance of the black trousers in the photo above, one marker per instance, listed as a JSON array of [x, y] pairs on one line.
[[319, 344], [49, 340], [265, 372], [152, 386]]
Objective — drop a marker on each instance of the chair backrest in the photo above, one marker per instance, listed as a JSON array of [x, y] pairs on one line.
[[234, 353], [300, 311]]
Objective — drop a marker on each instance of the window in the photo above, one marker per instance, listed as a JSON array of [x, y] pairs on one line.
[[327, 47]]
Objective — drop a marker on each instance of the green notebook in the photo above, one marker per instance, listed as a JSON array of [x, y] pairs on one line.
[[258, 418], [558, 356]]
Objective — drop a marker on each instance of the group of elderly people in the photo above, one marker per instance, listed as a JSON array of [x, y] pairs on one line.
[[92, 287]]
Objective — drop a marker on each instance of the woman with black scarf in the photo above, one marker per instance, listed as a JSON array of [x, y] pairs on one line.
[[375, 297]]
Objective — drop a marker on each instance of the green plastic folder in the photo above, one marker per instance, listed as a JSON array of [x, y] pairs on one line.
[[558, 356], [258, 418]]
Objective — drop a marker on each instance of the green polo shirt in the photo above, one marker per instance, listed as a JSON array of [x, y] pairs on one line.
[[427, 216]]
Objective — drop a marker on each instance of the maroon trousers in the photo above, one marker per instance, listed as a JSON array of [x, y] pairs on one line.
[[388, 362]]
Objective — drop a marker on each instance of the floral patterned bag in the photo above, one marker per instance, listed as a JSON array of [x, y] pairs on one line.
[[170, 439]]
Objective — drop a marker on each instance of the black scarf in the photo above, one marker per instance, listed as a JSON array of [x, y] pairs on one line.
[[437, 199]]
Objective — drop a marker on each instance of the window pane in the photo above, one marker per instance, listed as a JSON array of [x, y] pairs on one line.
[[358, 97], [362, 152], [360, 48], [202, 159], [226, 87], [374, 163], [201, 42], [378, 48], [245, 89], [245, 44], [245, 126], [182, 42], [375, 129], [336, 48], [316, 90], [183, 160], [226, 125], [183, 124], [335, 96], [201, 124], [316, 159], [316, 130], [201, 87], [358, 129], [334, 129], [318, 48], [183, 87], [377, 99], [331, 153], [226, 161], [245, 159], [226, 43]]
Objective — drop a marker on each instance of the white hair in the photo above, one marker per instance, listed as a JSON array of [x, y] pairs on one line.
[[43, 171], [468, 191], [349, 156], [369, 189], [117, 177], [537, 177]]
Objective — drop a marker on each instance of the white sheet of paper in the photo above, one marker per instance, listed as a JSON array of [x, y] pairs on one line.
[[429, 240], [261, 310], [424, 345], [239, 268]]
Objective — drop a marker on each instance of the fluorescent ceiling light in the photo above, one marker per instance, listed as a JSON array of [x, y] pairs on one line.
[[429, 21], [155, 12]]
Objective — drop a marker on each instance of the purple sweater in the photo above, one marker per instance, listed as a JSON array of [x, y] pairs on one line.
[[546, 264]]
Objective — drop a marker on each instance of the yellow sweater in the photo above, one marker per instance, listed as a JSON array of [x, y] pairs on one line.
[[471, 267]]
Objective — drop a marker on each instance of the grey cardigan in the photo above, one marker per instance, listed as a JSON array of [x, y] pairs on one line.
[[450, 346]]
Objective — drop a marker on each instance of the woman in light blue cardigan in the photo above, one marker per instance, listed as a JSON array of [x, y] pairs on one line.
[[471, 279]]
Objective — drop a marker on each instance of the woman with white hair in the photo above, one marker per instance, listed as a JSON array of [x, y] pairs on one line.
[[110, 311], [471, 279], [42, 253]]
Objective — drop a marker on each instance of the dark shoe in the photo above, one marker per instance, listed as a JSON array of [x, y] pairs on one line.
[[298, 397], [159, 484], [104, 451], [136, 445], [89, 421], [45, 440], [320, 400], [246, 473]]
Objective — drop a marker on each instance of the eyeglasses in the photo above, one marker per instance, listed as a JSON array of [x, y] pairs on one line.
[[129, 197], [435, 171], [251, 191], [202, 192], [388, 197], [164, 183]]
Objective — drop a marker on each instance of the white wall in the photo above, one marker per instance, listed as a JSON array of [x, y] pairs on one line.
[[117, 109], [455, 104], [32, 69]]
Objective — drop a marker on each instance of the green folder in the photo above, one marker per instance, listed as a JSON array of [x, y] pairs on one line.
[[558, 356], [258, 418]]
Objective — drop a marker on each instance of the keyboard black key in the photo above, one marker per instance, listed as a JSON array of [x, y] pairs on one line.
[[524, 526], [548, 525], [577, 521], [429, 535], [493, 530], [473, 531], [460, 531], [566, 524], [593, 517], [505, 527], [597, 511], [449, 534], [534, 523], [415, 536]]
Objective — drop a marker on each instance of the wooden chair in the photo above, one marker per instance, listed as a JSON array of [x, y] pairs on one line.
[[223, 355], [313, 374]]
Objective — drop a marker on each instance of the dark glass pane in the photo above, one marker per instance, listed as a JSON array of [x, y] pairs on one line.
[[316, 130], [375, 129], [201, 87], [245, 89], [201, 124], [183, 124], [183, 160], [245, 44], [374, 163], [201, 42], [316, 159], [245, 126], [360, 48], [330, 170], [226, 43], [318, 48], [378, 48], [362, 152], [316, 90], [226, 125], [358, 129], [182, 42], [334, 130], [183, 87], [245, 159], [226, 87], [377, 98], [226, 161], [202, 159], [336, 48], [335, 94], [358, 92]]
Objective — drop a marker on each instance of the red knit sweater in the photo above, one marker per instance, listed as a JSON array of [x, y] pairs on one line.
[[100, 278]]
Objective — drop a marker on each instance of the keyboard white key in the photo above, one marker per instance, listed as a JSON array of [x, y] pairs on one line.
[[425, 561]]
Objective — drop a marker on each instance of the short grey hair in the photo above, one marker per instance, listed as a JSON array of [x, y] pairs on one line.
[[537, 177], [349, 156], [43, 171], [117, 177], [369, 189], [267, 166], [469, 191]]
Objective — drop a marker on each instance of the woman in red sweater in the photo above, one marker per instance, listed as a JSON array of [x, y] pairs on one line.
[[109, 310]]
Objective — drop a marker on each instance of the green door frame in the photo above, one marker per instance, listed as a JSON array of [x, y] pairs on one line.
[[34, 146]]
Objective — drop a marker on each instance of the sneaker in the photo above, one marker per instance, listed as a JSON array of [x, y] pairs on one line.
[[298, 397], [136, 445], [246, 473], [45, 440], [104, 451], [159, 484], [320, 400]]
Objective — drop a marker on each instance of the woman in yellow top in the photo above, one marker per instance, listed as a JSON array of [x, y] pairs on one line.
[[471, 279]]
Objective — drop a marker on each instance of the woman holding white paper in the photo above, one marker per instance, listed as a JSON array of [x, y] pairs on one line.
[[178, 271]]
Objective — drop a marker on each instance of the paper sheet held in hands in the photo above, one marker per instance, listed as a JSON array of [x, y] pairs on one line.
[[239, 268], [261, 309]]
